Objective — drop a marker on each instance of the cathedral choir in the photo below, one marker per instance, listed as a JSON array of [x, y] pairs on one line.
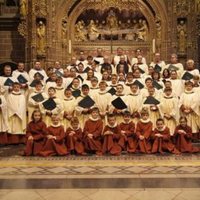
[[97, 106]]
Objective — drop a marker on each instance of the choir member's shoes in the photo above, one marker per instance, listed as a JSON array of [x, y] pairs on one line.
[[98, 153], [83, 154]]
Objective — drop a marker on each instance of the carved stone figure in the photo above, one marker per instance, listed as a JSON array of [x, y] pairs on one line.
[[181, 28], [41, 40], [143, 31], [93, 32], [79, 32], [112, 20], [23, 8]]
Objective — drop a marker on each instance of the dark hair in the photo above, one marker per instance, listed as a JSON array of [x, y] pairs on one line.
[[85, 86], [67, 90], [189, 83], [183, 117], [58, 79], [155, 72], [111, 115], [126, 113], [159, 120], [36, 111], [52, 88], [94, 109], [168, 89], [148, 79], [164, 73]]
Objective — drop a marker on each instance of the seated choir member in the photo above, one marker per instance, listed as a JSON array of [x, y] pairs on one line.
[[84, 104], [183, 137], [35, 134], [16, 116], [161, 139], [189, 107], [74, 138], [134, 102], [170, 110], [111, 137], [143, 133], [92, 133], [3, 120], [68, 108], [55, 139], [52, 106], [128, 133]]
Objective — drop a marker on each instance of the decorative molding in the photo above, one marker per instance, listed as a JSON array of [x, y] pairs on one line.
[[22, 29], [40, 8]]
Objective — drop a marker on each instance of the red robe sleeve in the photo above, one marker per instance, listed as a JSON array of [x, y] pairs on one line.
[[42, 132], [166, 134], [99, 129], [117, 133]]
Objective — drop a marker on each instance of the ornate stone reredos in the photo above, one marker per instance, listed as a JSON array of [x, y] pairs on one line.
[[40, 8]]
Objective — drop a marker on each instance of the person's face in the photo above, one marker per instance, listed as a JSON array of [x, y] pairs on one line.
[[111, 121], [73, 73], [89, 61], [121, 76], [7, 71], [59, 82], [57, 65], [114, 80], [90, 74], [36, 116], [73, 61], [53, 77], [134, 88], [74, 125], [16, 88], [65, 73], [85, 91], [94, 83], [106, 60], [144, 116], [168, 93], [37, 66], [130, 78], [99, 52], [173, 75], [167, 84], [102, 87], [38, 87], [93, 66], [150, 70], [148, 83], [190, 65], [55, 120], [82, 56], [119, 52], [139, 59], [138, 52], [105, 75], [165, 73], [20, 67], [155, 76], [80, 68], [195, 81], [119, 89], [122, 59], [121, 68], [137, 74], [51, 93], [127, 118], [160, 125], [174, 59], [188, 87], [68, 94], [95, 114], [37, 77], [76, 83], [157, 57], [151, 92], [49, 72], [183, 123]]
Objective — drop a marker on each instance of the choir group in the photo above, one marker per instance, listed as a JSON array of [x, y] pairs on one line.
[[99, 106]]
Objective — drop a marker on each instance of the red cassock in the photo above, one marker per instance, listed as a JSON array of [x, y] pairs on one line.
[[111, 142], [183, 142], [75, 142], [162, 144], [95, 128], [38, 131], [128, 140], [55, 147], [144, 129]]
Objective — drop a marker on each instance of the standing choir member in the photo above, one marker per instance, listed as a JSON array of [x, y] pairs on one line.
[[3, 120], [55, 139], [74, 138], [183, 137], [35, 134], [92, 132], [68, 111], [128, 133], [189, 107], [111, 137], [143, 133], [170, 110], [161, 139], [16, 116], [59, 88], [134, 102]]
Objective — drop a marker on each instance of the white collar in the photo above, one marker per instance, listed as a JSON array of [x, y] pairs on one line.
[[94, 120], [164, 127], [115, 125], [16, 93], [58, 125], [145, 121], [189, 92], [127, 122], [75, 129]]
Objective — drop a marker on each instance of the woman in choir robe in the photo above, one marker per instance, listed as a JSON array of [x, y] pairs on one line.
[[154, 106], [51, 83], [36, 97], [143, 133], [92, 133], [74, 138], [102, 99], [135, 102], [127, 140], [3, 120], [90, 75], [170, 110], [189, 107], [183, 137], [35, 134], [52, 106], [116, 109], [55, 139], [16, 116], [161, 139], [75, 87], [59, 88], [83, 108], [111, 137], [68, 111]]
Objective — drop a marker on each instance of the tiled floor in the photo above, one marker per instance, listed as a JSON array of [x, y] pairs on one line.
[[127, 177]]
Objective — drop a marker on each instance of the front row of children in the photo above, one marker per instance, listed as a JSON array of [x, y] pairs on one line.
[[113, 139]]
